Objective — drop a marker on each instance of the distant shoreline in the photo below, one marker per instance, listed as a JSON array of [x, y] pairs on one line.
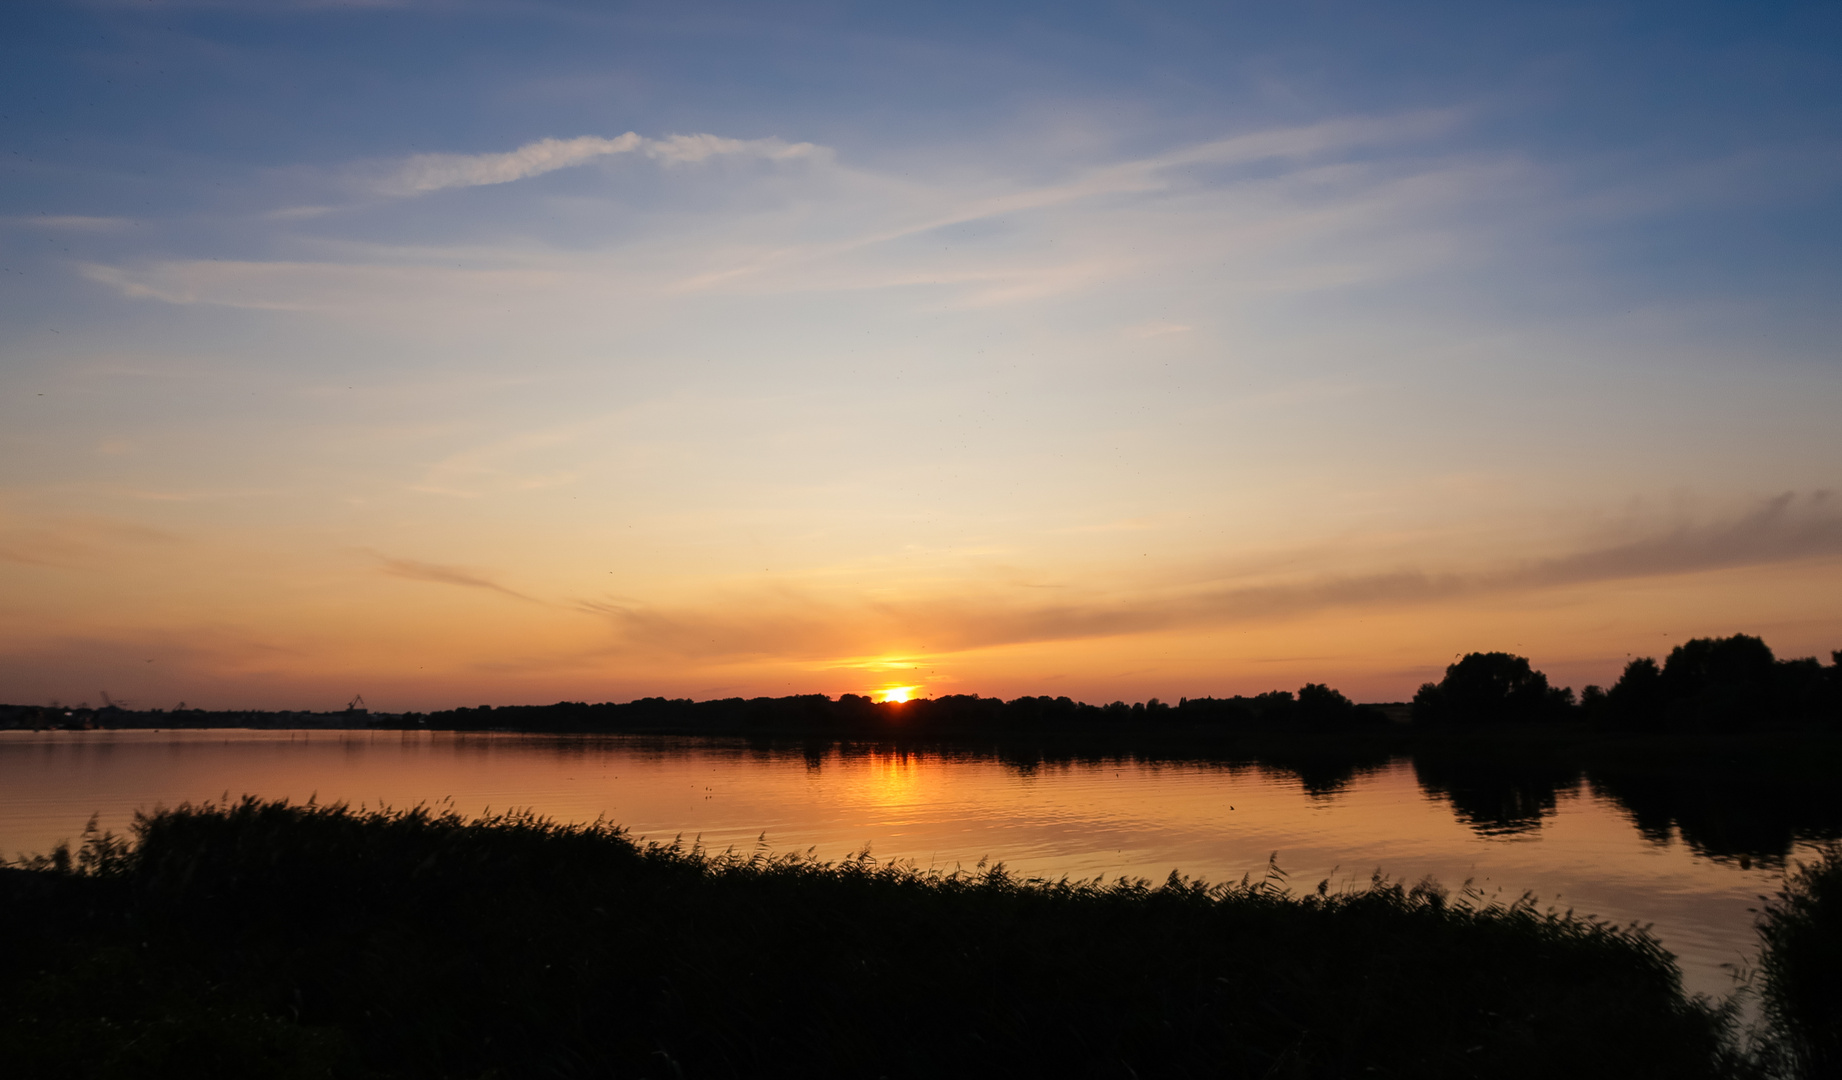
[[1706, 685], [1376, 740]]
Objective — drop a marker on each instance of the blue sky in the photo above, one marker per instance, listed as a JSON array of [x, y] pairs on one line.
[[523, 351]]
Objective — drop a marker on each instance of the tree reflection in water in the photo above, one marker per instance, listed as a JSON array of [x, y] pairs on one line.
[[1497, 794], [1730, 800], [1734, 802]]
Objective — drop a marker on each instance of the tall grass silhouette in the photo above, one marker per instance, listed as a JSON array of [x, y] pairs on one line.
[[262, 938], [1800, 964]]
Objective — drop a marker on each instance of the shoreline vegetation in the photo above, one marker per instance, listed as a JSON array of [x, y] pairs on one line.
[[266, 939], [1705, 686]]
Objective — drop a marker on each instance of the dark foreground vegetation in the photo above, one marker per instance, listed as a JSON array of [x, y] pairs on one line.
[[262, 939], [1801, 964]]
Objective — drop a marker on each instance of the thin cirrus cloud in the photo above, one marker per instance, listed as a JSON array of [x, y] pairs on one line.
[[436, 573], [424, 173], [865, 231], [920, 211], [806, 627]]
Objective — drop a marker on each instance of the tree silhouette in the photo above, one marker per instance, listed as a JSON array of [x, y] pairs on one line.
[[1493, 687], [1728, 683], [1739, 664], [1638, 700]]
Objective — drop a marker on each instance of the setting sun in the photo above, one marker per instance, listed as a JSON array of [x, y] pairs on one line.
[[899, 693]]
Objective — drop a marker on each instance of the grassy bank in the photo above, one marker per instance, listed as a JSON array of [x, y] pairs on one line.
[[265, 939]]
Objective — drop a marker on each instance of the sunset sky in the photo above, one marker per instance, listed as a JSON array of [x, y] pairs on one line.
[[480, 352]]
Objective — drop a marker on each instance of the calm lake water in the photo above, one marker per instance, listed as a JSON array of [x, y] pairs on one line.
[[1571, 844]]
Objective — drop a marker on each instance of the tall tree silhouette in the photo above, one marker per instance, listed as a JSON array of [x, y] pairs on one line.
[[1493, 687]]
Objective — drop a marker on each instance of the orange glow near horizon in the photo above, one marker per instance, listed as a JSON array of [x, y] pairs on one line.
[[217, 626]]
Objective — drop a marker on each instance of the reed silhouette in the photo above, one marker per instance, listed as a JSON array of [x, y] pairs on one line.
[[284, 940], [1800, 930]]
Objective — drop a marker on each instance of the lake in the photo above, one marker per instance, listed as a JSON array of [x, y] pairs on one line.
[[1596, 844]]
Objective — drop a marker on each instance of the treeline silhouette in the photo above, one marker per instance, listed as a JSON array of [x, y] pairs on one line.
[[1314, 708], [1706, 684], [1727, 683]]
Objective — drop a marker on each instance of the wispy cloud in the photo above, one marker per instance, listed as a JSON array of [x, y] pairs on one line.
[[433, 172], [417, 570], [1324, 224], [1158, 172], [685, 149], [380, 288], [1145, 177], [789, 624], [1784, 529], [76, 222], [424, 173]]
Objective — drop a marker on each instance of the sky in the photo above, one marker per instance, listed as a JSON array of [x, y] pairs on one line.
[[473, 352]]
